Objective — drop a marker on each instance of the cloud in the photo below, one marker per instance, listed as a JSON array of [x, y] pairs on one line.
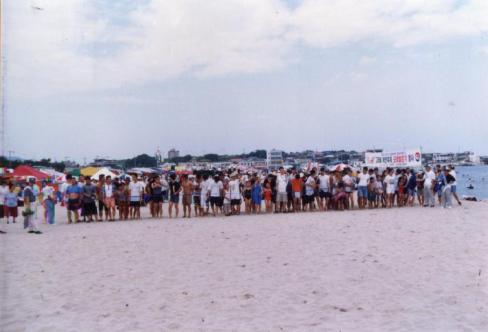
[[74, 45]]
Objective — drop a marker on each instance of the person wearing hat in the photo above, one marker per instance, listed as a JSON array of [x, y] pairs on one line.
[[49, 201], [29, 206]]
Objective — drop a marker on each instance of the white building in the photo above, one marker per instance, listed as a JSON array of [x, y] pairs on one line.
[[173, 154], [274, 159]]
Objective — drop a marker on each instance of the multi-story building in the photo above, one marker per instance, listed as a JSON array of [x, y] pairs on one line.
[[173, 154], [274, 159]]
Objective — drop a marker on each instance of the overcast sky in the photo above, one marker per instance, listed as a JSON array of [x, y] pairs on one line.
[[88, 78]]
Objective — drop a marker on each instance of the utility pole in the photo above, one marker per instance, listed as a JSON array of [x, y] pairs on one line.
[[2, 83]]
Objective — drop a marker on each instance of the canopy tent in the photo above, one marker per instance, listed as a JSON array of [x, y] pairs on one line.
[[56, 176], [103, 171], [141, 170], [89, 171], [339, 167], [24, 171]]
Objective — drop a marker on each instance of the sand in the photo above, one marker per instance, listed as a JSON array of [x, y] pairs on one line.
[[409, 269]]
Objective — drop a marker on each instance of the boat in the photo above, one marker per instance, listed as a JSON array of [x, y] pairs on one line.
[[470, 186]]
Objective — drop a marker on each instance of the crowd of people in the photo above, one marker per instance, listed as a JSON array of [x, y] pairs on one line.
[[230, 192]]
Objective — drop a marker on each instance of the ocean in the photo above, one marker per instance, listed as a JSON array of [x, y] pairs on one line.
[[475, 175]]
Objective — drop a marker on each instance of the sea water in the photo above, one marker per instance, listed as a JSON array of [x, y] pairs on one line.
[[475, 175]]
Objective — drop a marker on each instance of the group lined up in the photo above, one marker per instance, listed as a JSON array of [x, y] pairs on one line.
[[231, 192]]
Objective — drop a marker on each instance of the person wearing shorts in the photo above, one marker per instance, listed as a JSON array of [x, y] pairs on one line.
[[296, 187], [324, 188], [216, 192], [235, 194], [136, 191], [11, 203], [281, 194], [363, 188], [73, 192]]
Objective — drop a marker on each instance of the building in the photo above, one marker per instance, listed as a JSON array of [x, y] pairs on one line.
[[274, 159], [172, 154]]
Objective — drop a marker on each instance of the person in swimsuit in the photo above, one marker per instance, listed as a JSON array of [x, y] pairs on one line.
[[174, 195], [187, 187], [157, 198], [197, 195], [109, 198], [247, 193], [267, 197]]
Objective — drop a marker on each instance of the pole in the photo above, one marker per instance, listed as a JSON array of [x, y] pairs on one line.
[[2, 83]]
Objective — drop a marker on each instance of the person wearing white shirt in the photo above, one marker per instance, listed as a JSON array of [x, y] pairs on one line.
[[348, 187], [363, 188], [49, 201], [136, 191], [204, 192], [429, 177], [3, 191], [216, 198], [235, 194], [324, 188], [390, 187], [281, 194]]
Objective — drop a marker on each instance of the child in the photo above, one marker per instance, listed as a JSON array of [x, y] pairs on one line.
[[267, 197]]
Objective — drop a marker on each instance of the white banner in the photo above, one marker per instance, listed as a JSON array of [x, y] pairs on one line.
[[409, 158]]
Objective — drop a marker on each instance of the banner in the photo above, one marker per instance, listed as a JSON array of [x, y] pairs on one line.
[[409, 158]]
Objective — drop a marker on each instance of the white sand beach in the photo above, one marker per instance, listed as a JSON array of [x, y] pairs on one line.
[[404, 269]]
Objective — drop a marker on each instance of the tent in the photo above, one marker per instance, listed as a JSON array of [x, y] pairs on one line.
[[56, 176], [103, 171], [89, 171], [24, 171]]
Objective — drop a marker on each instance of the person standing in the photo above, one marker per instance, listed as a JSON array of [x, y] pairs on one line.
[[73, 193], [363, 188], [296, 187], [257, 195], [390, 187], [3, 191], [281, 194], [49, 202], [187, 187], [101, 205], [29, 206], [309, 197], [216, 195], [109, 198], [349, 187], [89, 195], [429, 179], [174, 195], [235, 194], [136, 190], [11, 203], [197, 195]]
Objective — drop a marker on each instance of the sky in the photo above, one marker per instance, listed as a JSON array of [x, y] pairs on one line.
[[102, 78]]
